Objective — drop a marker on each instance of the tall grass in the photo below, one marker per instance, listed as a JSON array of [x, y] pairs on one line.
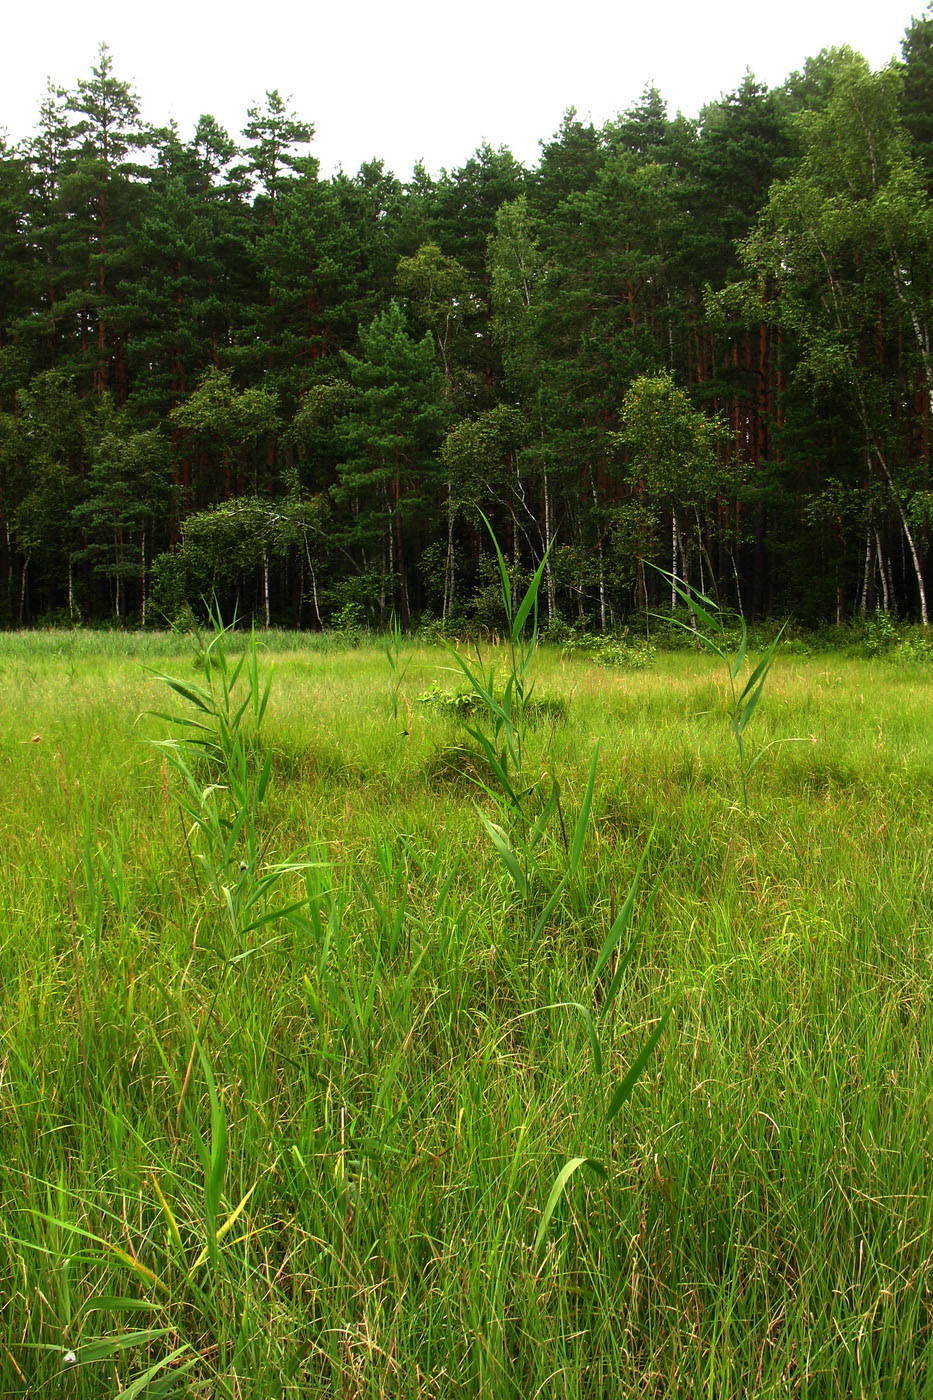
[[327, 1169]]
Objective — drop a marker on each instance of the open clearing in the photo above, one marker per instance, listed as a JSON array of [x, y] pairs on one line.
[[251, 1155]]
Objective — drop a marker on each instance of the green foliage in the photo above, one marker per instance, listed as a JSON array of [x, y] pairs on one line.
[[625, 651], [440, 294], [236, 541], [847, 235], [463, 704], [673, 445], [479, 455], [272, 135], [349, 623], [389, 437], [881, 635], [613, 1097], [459, 703], [219, 413], [397, 671], [128, 496], [170, 589], [507, 709]]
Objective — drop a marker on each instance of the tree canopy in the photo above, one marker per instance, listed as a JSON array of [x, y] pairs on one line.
[[703, 344]]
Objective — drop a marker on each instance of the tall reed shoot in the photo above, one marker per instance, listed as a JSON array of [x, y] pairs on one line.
[[742, 703], [507, 712], [224, 773], [397, 672], [506, 707]]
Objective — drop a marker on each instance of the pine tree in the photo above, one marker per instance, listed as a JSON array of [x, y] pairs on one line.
[[273, 136], [101, 195], [42, 328], [182, 297], [15, 273], [390, 438], [916, 99]]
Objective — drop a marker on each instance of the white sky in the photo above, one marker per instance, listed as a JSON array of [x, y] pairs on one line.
[[410, 79]]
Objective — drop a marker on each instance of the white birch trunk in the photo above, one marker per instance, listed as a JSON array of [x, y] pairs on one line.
[[885, 594], [599, 556], [908, 535], [866, 574], [700, 551], [449, 560], [22, 589], [549, 577]]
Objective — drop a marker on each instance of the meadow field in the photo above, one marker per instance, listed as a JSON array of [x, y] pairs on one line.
[[329, 1070]]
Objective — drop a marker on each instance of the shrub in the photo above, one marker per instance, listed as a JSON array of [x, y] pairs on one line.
[[612, 649]]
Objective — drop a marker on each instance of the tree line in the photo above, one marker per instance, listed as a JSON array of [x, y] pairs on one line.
[[703, 345]]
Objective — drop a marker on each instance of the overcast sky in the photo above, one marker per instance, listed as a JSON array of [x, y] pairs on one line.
[[424, 79]]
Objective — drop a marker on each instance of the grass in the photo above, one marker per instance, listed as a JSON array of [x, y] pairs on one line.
[[312, 1157]]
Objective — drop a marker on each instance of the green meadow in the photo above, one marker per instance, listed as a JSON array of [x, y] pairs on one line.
[[326, 1069]]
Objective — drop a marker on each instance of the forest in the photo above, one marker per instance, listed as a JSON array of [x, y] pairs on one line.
[[694, 345]]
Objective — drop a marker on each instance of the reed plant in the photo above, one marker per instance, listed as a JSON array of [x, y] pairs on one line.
[[742, 702], [224, 772], [506, 706]]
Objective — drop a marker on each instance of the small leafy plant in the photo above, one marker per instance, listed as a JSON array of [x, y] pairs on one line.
[[349, 624], [450, 702], [460, 704], [620, 651]]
